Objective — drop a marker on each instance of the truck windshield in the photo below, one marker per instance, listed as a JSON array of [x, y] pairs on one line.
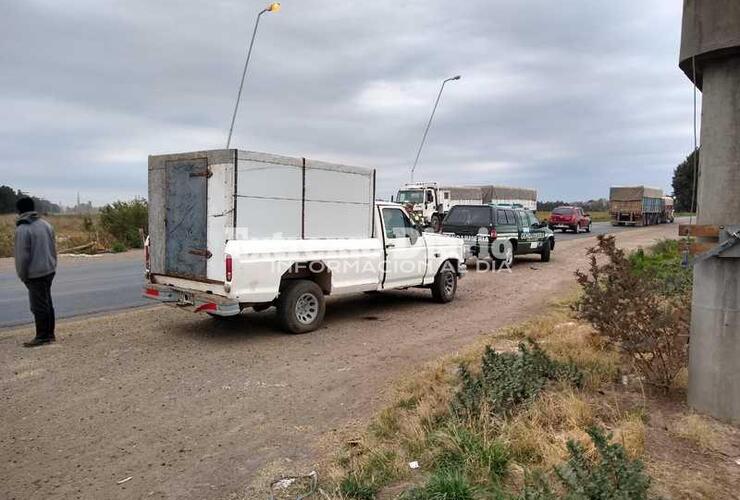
[[413, 196]]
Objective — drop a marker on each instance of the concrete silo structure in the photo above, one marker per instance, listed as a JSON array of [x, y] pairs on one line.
[[710, 56]]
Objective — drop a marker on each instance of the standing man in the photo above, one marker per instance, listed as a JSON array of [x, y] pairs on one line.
[[36, 263]]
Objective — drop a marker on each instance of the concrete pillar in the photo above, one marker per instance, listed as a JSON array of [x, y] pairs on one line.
[[711, 48]]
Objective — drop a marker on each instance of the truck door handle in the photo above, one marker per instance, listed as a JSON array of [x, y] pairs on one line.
[[390, 245]]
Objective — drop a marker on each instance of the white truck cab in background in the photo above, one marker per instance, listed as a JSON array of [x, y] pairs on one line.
[[428, 202], [233, 229]]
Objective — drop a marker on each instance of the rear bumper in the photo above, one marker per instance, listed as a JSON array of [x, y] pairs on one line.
[[192, 300], [476, 246]]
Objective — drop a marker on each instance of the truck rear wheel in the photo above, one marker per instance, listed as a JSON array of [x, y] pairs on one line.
[[445, 285], [300, 306]]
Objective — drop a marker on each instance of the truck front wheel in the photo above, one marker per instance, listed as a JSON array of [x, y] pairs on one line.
[[445, 285], [300, 306], [436, 223]]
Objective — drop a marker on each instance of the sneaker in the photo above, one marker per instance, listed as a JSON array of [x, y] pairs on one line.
[[38, 342]]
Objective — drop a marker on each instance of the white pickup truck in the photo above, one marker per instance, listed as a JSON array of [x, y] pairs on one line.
[[233, 229]]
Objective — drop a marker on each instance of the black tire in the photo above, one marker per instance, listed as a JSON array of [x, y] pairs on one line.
[[588, 228], [545, 254], [508, 262], [445, 284], [436, 223], [576, 229], [300, 306]]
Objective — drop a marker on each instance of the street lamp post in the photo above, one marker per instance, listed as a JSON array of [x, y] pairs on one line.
[[429, 124], [273, 7]]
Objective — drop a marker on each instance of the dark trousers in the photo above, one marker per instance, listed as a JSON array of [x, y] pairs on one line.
[[39, 295]]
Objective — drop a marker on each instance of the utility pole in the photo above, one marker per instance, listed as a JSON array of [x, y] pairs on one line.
[[273, 7], [710, 57], [429, 123]]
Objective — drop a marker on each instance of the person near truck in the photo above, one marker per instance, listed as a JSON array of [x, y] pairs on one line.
[[36, 263]]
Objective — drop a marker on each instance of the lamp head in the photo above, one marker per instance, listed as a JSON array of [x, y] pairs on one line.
[[273, 7]]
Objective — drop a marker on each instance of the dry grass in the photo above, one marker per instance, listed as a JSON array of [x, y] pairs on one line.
[[566, 339], [698, 430], [72, 230], [418, 424], [538, 435]]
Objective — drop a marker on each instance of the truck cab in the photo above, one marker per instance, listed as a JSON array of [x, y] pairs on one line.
[[422, 202]]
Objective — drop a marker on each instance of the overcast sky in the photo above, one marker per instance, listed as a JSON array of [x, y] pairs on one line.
[[567, 97]]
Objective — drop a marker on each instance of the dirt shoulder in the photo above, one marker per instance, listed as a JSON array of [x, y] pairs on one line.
[[192, 408]]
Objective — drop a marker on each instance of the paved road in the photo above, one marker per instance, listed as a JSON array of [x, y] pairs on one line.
[[596, 228], [107, 283], [82, 286]]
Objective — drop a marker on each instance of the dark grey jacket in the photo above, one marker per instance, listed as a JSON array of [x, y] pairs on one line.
[[35, 249]]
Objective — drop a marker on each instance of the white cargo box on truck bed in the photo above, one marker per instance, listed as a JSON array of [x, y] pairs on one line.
[[200, 200]]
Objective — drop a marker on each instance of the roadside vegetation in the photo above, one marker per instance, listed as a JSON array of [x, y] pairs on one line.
[[116, 228], [567, 405]]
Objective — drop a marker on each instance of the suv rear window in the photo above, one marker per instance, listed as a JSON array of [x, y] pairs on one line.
[[469, 216], [563, 211]]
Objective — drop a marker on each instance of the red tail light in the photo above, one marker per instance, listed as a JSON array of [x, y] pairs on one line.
[[493, 233], [153, 292], [229, 267]]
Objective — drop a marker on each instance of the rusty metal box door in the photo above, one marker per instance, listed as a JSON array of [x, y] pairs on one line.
[[186, 249]]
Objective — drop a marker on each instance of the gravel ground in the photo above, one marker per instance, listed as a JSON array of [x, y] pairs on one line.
[[190, 407]]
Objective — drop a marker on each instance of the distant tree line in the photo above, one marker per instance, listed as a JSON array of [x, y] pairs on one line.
[[600, 205], [8, 197]]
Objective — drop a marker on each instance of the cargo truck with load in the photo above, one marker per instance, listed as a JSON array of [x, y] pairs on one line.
[[428, 202], [232, 229], [636, 205]]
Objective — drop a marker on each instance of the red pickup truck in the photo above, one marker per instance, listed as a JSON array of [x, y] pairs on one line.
[[572, 218]]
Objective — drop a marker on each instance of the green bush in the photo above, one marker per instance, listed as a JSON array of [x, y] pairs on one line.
[[118, 247], [466, 450], [613, 475], [662, 264], [356, 487], [508, 380], [123, 220], [629, 307], [443, 485]]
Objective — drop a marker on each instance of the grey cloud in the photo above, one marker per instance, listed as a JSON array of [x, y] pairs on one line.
[[567, 97]]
